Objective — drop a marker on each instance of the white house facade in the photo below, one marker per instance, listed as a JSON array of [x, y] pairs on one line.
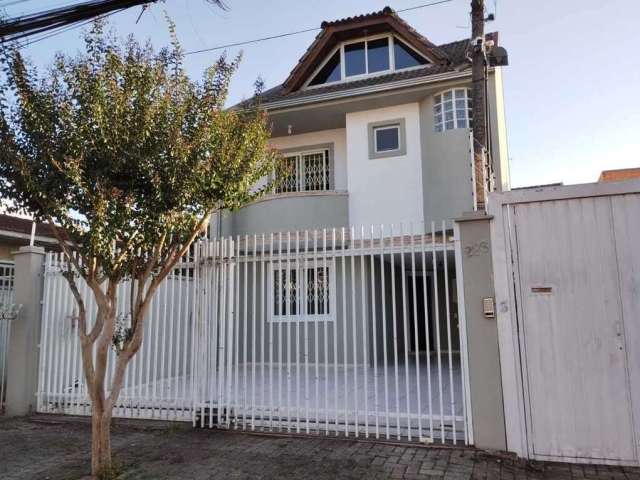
[[376, 129]]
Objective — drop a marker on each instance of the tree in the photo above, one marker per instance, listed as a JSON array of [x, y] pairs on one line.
[[128, 158]]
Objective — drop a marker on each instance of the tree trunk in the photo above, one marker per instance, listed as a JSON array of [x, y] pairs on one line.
[[100, 442]]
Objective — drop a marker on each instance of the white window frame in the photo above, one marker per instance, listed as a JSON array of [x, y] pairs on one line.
[[439, 122], [344, 78], [394, 126], [302, 266], [300, 170]]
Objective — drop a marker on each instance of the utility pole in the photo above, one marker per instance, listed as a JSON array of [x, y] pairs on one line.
[[478, 73]]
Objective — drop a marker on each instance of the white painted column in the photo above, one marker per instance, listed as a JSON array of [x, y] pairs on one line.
[[22, 364]]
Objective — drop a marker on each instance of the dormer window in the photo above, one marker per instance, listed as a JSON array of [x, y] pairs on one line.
[[364, 57], [330, 72]]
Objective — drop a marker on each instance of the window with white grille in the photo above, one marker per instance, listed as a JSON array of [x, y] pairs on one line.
[[452, 109], [7, 277], [305, 172], [302, 292]]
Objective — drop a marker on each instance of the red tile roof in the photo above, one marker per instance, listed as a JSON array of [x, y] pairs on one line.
[[619, 174]]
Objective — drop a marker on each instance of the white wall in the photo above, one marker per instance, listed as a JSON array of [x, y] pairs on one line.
[[337, 137], [384, 190]]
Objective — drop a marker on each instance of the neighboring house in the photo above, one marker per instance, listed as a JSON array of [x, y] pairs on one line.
[[374, 121], [619, 174], [15, 232]]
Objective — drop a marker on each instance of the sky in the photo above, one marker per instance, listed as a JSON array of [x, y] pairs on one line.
[[572, 87]]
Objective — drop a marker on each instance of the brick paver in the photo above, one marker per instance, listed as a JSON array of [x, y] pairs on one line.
[[56, 448]]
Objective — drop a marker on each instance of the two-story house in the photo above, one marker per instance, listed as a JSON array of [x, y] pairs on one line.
[[374, 120], [330, 305], [359, 325]]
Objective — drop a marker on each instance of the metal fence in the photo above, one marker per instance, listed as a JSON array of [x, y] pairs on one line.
[[7, 278], [150, 389], [350, 331]]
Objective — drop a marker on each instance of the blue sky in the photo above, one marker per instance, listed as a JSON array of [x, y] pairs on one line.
[[572, 89]]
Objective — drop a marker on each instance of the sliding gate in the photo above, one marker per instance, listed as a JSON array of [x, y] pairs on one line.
[[349, 332], [335, 331]]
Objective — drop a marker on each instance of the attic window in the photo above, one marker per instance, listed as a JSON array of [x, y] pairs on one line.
[[367, 56], [406, 57], [330, 72]]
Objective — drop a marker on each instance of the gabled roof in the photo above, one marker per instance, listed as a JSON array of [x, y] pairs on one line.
[[332, 33], [449, 57], [455, 53]]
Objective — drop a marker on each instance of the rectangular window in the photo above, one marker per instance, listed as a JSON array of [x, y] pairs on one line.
[[305, 172], [387, 138], [354, 59], [302, 291], [378, 55]]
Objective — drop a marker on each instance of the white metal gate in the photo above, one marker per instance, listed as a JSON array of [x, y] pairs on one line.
[[334, 331], [573, 259], [7, 293]]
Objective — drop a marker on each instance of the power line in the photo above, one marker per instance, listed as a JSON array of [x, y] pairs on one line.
[[297, 32], [65, 29]]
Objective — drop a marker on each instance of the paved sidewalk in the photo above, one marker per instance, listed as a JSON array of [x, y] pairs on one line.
[[56, 448]]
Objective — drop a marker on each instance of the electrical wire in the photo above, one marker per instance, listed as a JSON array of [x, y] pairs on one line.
[[288, 34], [210, 49]]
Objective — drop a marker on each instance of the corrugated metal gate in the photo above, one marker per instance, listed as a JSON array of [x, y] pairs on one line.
[[334, 331], [567, 264]]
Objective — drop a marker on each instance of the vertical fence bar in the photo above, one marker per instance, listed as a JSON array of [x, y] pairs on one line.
[[335, 332], [213, 273], [292, 316], [305, 319], [395, 331], [325, 332], [316, 318], [354, 323], [365, 350], [437, 314], [235, 322], [452, 396], [299, 304], [263, 300], [245, 323], [374, 337], [405, 328], [383, 291], [172, 339], [344, 334], [283, 290], [414, 297], [276, 305], [427, 329]]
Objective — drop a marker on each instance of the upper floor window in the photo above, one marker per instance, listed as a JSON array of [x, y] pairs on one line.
[[304, 172], [383, 53], [452, 109]]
